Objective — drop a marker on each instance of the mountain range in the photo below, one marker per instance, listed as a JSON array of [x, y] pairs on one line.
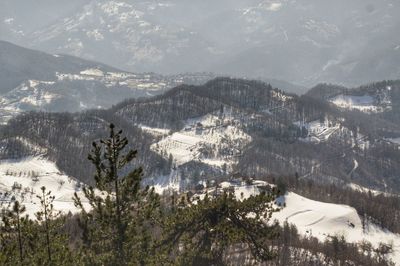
[[347, 42]]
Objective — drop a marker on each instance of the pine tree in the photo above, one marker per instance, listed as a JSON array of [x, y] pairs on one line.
[[50, 225], [203, 232], [12, 222], [17, 212], [19, 239], [45, 215], [115, 227]]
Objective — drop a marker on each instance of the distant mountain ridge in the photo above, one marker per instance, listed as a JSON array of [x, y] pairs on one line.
[[32, 80], [20, 64]]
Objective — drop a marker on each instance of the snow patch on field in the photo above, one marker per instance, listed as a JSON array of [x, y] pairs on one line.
[[155, 131], [209, 139], [315, 218], [365, 103], [357, 187], [22, 179], [244, 191], [92, 72], [318, 131], [321, 220]]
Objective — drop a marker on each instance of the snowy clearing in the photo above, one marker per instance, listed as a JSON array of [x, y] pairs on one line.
[[374, 192], [321, 220], [208, 139], [366, 103], [363, 103], [22, 180], [92, 72], [315, 218], [318, 131], [155, 131]]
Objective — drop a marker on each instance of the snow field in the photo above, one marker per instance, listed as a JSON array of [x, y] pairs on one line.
[[321, 220], [315, 218], [202, 133], [365, 103], [317, 131], [23, 180]]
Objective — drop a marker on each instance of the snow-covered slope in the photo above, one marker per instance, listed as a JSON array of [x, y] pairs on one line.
[[322, 220], [364, 103], [22, 180], [315, 218], [211, 139], [377, 102], [318, 131]]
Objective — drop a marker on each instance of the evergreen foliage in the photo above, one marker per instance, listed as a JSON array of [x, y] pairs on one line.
[[115, 227], [201, 232], [53, 241]]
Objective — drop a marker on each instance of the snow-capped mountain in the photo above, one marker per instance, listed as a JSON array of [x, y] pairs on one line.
[[305, 43]]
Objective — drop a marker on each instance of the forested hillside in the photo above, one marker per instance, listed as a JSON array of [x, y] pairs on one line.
[[188, 131]]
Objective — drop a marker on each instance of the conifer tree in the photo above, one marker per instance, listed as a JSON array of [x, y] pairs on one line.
[[45, 215], [17, 212], [12, 223], [114, 229], [18, 238], [203, 232], [49, 224]]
